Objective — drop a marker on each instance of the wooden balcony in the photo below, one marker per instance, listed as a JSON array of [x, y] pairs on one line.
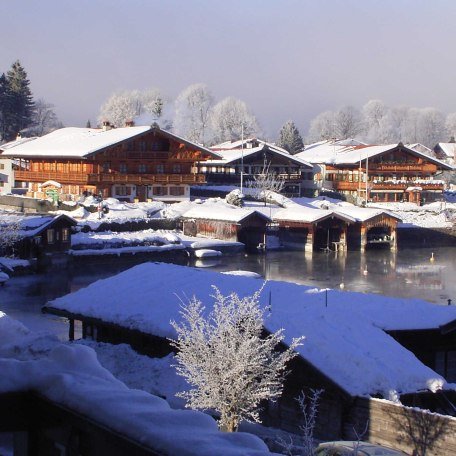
[[145, 179], [43, 176], [354, 186], [403, 167]]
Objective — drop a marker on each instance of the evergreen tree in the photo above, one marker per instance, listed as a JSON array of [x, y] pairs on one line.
[[290, 139], [4, 106], [88, 124], [20, 110]]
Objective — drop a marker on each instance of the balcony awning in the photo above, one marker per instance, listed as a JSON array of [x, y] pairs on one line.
[[414, 189]]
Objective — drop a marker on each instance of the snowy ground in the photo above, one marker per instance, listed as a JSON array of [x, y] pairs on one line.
[[439, 214]]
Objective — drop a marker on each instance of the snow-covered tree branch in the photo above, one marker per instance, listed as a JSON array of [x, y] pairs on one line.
[[9, 236], [226, 359]]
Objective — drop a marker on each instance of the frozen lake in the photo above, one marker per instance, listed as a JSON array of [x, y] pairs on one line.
[[408, 273]]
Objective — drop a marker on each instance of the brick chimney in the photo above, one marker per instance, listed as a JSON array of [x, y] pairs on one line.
[[129, 123]]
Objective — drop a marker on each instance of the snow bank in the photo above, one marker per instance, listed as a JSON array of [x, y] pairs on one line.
[[345, 340], [72, 376]]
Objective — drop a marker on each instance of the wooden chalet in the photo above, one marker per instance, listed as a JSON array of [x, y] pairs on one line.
[[125, 163], [254, 157], [389, 173], [235, 224], [348, 401]]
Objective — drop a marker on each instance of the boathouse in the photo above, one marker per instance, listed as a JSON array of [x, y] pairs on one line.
[[348, 349], [229, 223], [313, 229], [36, 236]]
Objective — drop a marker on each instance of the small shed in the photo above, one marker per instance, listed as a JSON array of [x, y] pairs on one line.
[[34, 236], [227, 223]]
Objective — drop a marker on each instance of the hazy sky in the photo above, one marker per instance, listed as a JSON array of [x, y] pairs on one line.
[[287, 59]]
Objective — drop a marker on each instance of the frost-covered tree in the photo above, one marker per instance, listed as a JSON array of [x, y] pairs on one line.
[[10, 234], [235, 197], [322, 127], [230, 365], [290, 139], [193, 106], [44, 119], [431, 127], [266, 183], [347, 122], [229, 118], [450, 125], [374, 112], [121, 107]]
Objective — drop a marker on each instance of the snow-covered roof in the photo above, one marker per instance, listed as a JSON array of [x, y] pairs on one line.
[[336, 154], [33, 225], [221, 212], [449, 149], [16, 142], [297, 213], [80, 142], [232, 155], [72, 376], [362, 214], [345, 339]]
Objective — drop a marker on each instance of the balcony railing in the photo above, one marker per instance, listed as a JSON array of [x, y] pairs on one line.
[[354, 186], [42, 176], [145, 179], [402, 167]]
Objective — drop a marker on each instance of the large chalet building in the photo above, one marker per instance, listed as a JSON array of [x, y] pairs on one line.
[[126, 163], [386, 173], [245, 159]]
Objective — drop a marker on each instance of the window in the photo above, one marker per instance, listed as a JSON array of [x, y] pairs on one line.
[[142, 146], [122, 190], [123, 168], [50, 236], [142, 168], [176, 168], [159, 191], [106, 166], [65, 234], [160, 169], [177, 191], [2, 166]]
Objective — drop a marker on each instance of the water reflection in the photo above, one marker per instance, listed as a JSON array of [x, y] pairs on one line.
[[407, 273]]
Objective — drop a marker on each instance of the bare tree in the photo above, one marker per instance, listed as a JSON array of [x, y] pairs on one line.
[[229, 118], [266, 183], [227, 362], [44, 119], [193, 107], [347, 122], [450, 125]]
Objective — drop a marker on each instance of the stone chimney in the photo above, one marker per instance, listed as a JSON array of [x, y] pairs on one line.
[[106, 125], [129, 123]]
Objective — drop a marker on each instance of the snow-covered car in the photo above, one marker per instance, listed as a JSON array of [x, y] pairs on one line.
[[4, 277], [352, 448]]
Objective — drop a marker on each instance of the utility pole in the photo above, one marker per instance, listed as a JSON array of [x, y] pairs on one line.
[[242, 156]]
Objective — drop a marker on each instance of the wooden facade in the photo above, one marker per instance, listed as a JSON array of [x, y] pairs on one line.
[[251, 230], [252, 160], [153, 164], [395, 175]]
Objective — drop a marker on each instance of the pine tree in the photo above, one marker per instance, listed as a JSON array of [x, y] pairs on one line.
[[290, 139], [5, 103], [20, 110], [88, 124]]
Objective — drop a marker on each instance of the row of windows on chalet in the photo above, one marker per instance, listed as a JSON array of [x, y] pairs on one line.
[[127, 190], [247, 169]]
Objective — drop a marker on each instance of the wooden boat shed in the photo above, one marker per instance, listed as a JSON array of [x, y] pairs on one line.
[[337, 230], [227, 223]]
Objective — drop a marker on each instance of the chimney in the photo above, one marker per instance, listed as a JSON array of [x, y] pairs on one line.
[[129, 123], [18, 136], [106, 125]]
